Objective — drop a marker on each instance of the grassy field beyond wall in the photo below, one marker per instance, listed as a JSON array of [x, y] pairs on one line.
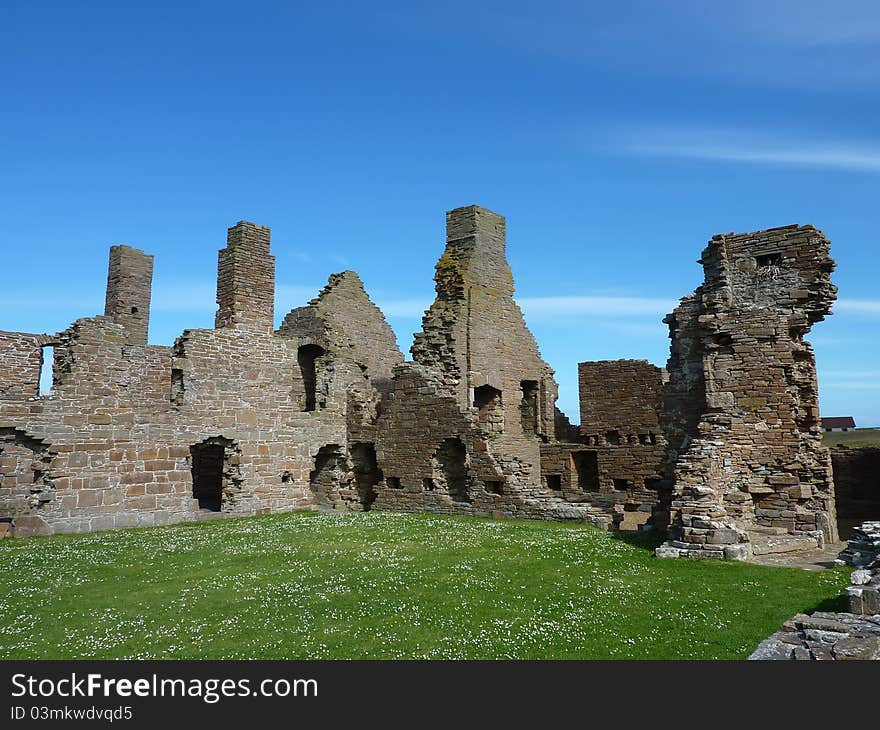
[[855, 439], [381, 585]]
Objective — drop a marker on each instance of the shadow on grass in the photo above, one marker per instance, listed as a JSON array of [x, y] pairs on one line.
[[645, 540], [831, 605]]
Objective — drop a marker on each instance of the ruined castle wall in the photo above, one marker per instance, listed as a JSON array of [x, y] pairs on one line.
[[474, 336], [421, 427], [129, 284], [856, 486], [620, 395], [343, 318], [21, 359], [754, 458], [141, 435], [620, 403], [478, 394]]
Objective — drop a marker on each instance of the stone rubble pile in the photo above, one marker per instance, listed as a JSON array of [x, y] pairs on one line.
[[863, 553], [823, 636], [863, 548]]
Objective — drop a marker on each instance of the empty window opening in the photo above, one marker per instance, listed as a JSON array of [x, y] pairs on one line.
[[620, 484], [770, 259], [653, 484], [493, 486], [286, 478], [553, 481], [393, 483], [612, 437], [528, 407], [645, 439], [207, 475], [428, 484], [330, 473], [367, 473], [47, 363], [487, 401], [856, 487], [177, 387], [134, 310], [450, 462], [306, 357], [585, 465]]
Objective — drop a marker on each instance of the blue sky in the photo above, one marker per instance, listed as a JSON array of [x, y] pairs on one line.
[[617, 138]]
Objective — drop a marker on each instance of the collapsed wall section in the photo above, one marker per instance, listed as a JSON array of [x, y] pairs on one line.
[[135, 435], [463, 427], [746, 456], [619, 407], [21, 361]]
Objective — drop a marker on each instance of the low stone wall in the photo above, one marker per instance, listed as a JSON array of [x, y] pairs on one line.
[[823, 636], [856, 485], [863, 553]]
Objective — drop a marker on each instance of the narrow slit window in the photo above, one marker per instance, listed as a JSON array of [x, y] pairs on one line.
[[46, 366]]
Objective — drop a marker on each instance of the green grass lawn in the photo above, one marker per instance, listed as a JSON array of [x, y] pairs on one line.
[[380, 585], [858, 438]]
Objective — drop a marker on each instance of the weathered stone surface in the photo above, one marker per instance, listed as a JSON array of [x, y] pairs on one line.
[[741, 407], [823, 636]]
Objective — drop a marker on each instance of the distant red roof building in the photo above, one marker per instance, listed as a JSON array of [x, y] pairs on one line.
[[842, 423]]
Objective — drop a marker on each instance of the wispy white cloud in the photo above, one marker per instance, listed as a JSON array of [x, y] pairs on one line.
[[849, 374], [803, 43], [870, 307], [559, 306], [851, 385], [748, 146]]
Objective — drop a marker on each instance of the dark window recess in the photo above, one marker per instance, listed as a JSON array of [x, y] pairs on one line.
[[207, 475], [586, 469], [621, 484], [528, 407], [306, 357], [177, 387], [393, 483], [487, 401], [770, 259], [653, 484], [428, 484], [286, 478], [612, 437], [367, 473], [452, 460], [493, 486], [554, 482]]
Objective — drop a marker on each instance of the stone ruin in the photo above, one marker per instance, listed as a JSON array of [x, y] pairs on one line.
[[722, 447], [745, 461], [854, 634]]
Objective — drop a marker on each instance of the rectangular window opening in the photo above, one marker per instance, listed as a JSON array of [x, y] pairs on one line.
[[47, 364]]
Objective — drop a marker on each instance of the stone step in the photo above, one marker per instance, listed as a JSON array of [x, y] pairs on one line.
[[763, 530], [774, 544]]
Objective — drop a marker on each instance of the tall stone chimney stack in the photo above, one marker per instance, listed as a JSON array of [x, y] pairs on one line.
[[246, 280], [129, 282]]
